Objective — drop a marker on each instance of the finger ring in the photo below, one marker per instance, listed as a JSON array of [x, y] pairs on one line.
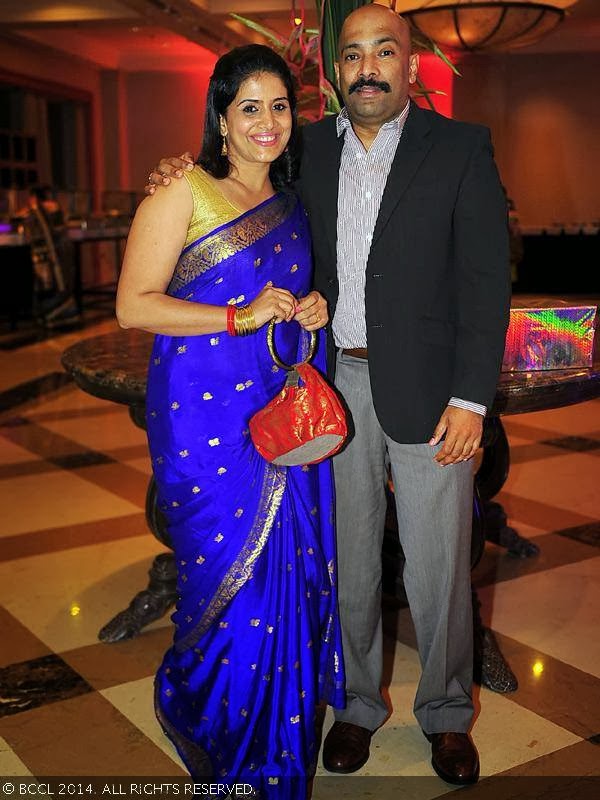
[[150, 174]]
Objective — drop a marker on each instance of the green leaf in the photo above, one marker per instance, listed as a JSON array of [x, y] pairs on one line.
[[272, 36]]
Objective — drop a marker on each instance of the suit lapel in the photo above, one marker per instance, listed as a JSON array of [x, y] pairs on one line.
[[413, 146]]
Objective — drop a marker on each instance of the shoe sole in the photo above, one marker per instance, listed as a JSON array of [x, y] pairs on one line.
[[453, 780]]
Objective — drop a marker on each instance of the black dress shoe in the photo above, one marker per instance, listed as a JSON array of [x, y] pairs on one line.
[[346, 747], [454, 757]]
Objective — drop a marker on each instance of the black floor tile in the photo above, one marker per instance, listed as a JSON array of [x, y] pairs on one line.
[[578, 444], [87, 458], [11, 398], [31, 684], [587, 534]]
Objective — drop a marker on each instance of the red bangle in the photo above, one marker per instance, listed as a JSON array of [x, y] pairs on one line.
[[231, 320]]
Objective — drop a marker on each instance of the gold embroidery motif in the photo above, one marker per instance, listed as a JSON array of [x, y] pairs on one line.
[[207, 396]]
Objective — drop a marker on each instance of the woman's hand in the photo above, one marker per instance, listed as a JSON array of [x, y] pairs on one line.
[[169, 168], [273, 303], [311, 312]]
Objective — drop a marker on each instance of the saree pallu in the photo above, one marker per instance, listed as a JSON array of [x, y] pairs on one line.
[[257, 643]]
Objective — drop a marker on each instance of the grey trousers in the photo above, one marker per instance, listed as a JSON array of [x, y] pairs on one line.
[[434, 506]]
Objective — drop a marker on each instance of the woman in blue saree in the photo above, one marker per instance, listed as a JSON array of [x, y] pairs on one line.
[[257, 644]]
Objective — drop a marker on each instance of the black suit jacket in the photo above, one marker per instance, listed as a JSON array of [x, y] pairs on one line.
[[438, 281]]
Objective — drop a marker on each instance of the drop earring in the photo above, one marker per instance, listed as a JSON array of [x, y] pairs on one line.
[[223, 132]]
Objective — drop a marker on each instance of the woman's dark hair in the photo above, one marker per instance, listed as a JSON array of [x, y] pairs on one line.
[[231, 70]]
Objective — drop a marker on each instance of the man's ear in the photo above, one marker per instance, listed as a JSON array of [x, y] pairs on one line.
[[413, 67], [336, 67]]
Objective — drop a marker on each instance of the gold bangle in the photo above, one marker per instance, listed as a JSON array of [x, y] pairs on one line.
[[244, 321]]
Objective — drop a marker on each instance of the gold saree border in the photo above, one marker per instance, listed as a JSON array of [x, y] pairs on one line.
[[233, 240], [274, 483]]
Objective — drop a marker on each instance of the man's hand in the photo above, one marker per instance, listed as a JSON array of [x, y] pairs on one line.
[[311, 312], [463, 431], [169, 168]]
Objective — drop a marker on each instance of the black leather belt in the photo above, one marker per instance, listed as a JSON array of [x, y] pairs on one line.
[[356, 352]]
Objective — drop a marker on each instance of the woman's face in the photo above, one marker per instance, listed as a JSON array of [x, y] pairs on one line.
[[259, 120]]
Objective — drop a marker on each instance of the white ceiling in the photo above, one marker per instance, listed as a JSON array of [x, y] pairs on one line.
[[138, 35]]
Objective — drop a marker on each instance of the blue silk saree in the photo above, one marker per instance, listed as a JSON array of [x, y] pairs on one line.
[[257, 643]]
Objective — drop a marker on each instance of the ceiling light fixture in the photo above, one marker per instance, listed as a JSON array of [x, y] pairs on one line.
[[482, 24]]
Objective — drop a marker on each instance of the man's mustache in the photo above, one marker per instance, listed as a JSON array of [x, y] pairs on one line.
[[362, 82]]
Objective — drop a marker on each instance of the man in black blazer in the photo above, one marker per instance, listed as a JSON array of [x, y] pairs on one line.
[[410, 237], [409, 227]]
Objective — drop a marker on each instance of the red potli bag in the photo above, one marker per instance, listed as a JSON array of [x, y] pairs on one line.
[[306, 422]]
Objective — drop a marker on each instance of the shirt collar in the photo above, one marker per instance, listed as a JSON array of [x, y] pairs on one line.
[[343, 121]]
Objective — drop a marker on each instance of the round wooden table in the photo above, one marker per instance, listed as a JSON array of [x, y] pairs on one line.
[[114, 366]]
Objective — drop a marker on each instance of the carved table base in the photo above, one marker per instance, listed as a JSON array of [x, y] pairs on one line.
[[150, 604]]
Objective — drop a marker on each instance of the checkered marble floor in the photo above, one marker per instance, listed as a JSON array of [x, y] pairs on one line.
[[74, 549]]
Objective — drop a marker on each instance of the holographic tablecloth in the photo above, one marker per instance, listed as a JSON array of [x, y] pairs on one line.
[[549, 338]]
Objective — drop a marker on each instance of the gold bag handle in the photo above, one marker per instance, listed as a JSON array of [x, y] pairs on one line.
[[273, 352]]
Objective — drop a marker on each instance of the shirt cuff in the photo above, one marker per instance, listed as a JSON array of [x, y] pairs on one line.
[[466, 404]]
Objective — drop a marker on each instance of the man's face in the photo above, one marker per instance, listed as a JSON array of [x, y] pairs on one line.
[[375, 65]]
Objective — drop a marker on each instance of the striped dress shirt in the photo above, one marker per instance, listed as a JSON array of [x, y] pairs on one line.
[[362, 180]]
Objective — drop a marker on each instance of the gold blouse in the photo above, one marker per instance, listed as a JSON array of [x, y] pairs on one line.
[[211, 208]]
